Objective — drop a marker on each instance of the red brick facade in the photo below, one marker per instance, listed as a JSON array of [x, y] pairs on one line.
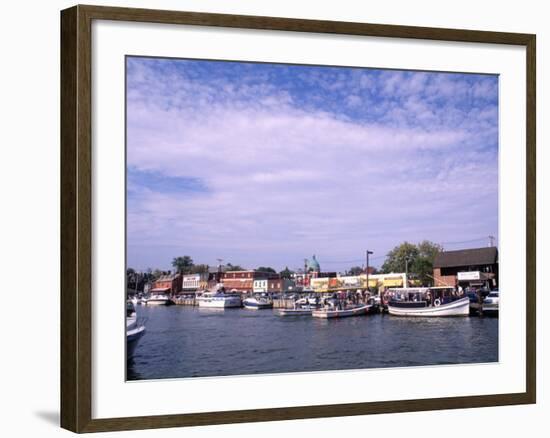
[[170, 282], [443, 280], [243, 281]]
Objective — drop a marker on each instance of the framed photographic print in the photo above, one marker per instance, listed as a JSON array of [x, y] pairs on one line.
[[270, 218]]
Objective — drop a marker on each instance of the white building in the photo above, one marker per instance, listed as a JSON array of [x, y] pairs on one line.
[[260, 285], [191, 282]]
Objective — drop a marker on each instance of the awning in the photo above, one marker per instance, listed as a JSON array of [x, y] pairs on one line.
[[160, 289]]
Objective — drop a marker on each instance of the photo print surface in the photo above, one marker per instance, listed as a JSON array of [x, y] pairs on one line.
[[297, 218]]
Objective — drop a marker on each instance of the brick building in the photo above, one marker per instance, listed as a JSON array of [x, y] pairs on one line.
[[243, 281], [476, 267], [167, 284]]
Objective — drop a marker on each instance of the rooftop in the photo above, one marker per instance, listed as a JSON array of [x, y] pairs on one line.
[[466, 257]]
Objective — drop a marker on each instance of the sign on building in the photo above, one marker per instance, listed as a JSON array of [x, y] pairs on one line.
[[467, 276]]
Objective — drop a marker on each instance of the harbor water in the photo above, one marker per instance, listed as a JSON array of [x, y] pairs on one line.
[[186, 341]]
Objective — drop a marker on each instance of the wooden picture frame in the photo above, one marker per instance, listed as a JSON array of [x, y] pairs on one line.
[[76, 217]]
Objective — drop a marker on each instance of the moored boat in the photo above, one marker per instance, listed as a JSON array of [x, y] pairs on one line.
[[219, 299], [490, 303], [334, 312], [135, 329], [257, 303], [297, 311], [426, 302], [159, 300]]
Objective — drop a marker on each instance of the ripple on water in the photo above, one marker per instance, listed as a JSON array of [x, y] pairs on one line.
[[189, 342]]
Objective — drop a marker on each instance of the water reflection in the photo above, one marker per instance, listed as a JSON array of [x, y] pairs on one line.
[[185, 341]]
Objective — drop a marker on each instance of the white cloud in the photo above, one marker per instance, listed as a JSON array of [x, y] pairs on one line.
[[285, 182]]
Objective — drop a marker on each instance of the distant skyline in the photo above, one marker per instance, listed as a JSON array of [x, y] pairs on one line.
[[268, 164]]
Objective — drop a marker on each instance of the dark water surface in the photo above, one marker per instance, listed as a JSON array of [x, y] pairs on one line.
[[187, 341]]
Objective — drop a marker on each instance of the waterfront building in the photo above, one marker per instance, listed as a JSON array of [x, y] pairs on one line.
[[194, 282], [207, 281], [476, 267], [277, 285], [167, 284], [243, 281], [359, 282], [260, 285]]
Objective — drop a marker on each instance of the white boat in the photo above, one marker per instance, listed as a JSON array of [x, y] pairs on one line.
[[312, 301], [257, 303], [134, 330], [490, 303], [302, 311], [333, 312], [427, 302], [159, 300], [219, 300]]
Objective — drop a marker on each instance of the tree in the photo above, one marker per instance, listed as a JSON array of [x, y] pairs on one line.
[[131, 278], [266, 269], [230, 267], [424, 264], [399, 257], [356, 270], [182, 264], [286, 273], [415, 259], [157, 273]]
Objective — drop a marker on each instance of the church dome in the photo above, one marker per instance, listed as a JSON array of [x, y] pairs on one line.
[[313, 265]]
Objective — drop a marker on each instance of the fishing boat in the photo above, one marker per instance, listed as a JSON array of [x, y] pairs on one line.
[[335, 312], [426, 302], [135, 329], [298, 310], [257, 303]]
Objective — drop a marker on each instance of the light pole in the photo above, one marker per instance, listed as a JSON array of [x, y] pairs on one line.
[[406, 272], [368, 253]]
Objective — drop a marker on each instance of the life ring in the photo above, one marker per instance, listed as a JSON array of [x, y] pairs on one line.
[[437, 302]]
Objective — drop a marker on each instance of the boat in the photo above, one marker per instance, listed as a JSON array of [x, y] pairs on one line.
[[299, 311], [490, 303], [335, 312], [426, 302], [159, 300], [135, 329], [219, 299], [476, 299], [310, 300], [257, 303]]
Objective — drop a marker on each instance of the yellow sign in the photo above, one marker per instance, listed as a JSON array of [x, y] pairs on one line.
[[393, 282]]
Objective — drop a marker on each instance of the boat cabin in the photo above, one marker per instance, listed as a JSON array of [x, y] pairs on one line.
[[422, 296]]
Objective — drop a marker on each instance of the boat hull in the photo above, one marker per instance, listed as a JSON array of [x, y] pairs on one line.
[[456, 308], [294, 312], [254, 304], [220, 303], [257, 306], [161, 302], [490, 309], [329, 314], [132, 338]]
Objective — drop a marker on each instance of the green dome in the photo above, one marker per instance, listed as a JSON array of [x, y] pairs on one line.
[[313, 265]]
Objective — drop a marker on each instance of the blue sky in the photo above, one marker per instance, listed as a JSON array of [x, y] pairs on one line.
[[266, 164]]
